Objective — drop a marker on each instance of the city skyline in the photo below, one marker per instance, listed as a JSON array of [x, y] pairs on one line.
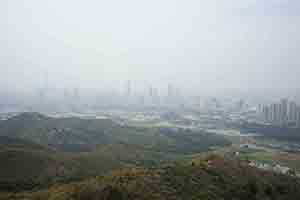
[[248, 46], [282, 113]]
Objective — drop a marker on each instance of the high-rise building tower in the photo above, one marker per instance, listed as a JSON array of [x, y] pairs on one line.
[[266, 113], [170, 90], [283, 111], [272, 112], [128, 88], [275, 113], [298, 117], [292, 112], [151, 91]]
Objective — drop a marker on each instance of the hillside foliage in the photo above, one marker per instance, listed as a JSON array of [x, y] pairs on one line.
[[213, 178]]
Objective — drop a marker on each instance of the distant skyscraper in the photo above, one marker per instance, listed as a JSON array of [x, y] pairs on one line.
[[266, 113], [240, 104], [298, 117], [292, 112], [170, 90], [128, 88], [259, 108], [278, 113], [273, 112], [283, 111], [151, 91]]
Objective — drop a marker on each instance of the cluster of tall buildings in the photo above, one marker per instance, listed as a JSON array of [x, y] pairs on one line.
[[151, 95], [282, 113]]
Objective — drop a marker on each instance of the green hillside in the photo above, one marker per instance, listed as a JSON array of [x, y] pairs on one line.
[[25, 165], [77, 135], [15, 143], [38, 151], [213, 178]]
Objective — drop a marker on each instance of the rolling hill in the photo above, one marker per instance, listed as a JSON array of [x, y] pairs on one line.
[[26, 165], [212, 178], [37, 151], [78, 135]]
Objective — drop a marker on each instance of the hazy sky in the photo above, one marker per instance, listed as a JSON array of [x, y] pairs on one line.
[[205, 45]]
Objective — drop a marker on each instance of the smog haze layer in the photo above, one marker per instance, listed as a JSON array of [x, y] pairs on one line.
[[204, 46]]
